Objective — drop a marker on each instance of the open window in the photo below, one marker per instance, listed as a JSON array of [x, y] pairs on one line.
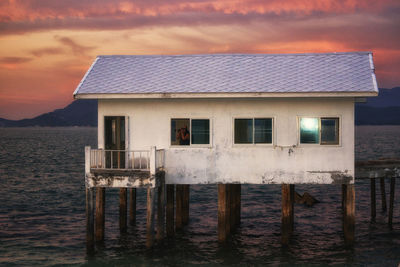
[[186, 132], [319, 130], [253, 131]]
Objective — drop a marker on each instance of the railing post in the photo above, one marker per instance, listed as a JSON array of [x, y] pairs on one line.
[[87, 159], [152, 160]]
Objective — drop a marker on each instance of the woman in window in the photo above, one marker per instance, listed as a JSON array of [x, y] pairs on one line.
[[183, 136]]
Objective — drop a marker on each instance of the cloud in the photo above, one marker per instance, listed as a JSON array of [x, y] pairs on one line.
[[14, 60], [77, 49], [47, 51], [36, 15]]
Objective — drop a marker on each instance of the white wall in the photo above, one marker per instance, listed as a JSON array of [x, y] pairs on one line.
[[224, 162]]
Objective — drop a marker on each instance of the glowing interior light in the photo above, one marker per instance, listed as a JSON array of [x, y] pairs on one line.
[[309, 124]]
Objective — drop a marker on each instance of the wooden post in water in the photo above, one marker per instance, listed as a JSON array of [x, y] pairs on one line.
[[89, 221], [287, 212], [223, 212], [391, 201], [150, 217], [383, 193], [170, 209], [100, 213], [179, 204], [161, 209], [185, 204], [232, 204], [132, 206], [349, 215], [373, 199], [238, 204], [122, 209]]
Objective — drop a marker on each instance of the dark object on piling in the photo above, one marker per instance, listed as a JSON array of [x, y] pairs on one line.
[[306, 199]]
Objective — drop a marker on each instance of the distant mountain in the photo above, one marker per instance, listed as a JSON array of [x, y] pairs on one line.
[[81, 112], [386, 98], [381, 110]]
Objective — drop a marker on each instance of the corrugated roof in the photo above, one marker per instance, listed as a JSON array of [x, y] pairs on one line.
[[230, 73]]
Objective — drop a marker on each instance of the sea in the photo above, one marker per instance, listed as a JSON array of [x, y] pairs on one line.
[[42, 213]]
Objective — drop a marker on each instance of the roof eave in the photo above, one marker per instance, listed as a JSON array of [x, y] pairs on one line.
[[224, 95]]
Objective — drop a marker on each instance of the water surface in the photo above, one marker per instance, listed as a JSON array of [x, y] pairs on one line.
[[42, 213]]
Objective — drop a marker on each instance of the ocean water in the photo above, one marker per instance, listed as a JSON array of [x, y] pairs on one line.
[[42, 213]]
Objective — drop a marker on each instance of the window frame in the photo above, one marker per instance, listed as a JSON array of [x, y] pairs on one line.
[[273, 118], [209, 145], [320, 143]]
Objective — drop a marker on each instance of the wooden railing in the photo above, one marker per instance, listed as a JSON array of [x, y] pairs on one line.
[[145, 160]]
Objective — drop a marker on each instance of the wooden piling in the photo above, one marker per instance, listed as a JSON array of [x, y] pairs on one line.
[[122, 209], [391, 201], [292, 208], [150, 217], [287, 212], [373, 199], [383, 193], [232, 207], [90, 246], [349, 215], [100, 213], [170, 209], [179, 204], [223, 212], [185, 204], [161, 210], [132, 206], [238, 204]]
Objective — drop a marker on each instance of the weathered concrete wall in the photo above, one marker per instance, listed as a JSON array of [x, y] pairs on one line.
[[225, 162]]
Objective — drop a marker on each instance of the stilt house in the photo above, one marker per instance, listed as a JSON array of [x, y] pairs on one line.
[[225, 118]]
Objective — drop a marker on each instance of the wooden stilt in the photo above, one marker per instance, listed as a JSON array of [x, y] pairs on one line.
[[89, 221], [150, 217], [383, 193], [239, 204], [161, 210], [343, 196], [234, 192], [170, 209], [349, 216], [100, 212], [185, 204], [122, 209], [291, 208], [179, 204], [132, 206], [391, 201], [223, 212], [373, 199], [287, 212]]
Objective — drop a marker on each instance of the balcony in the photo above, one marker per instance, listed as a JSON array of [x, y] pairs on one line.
[[123, 168]]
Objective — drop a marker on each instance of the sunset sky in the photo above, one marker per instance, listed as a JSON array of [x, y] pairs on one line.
[[46, 46]]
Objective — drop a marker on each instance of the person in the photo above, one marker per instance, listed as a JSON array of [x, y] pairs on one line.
[[183, 136]]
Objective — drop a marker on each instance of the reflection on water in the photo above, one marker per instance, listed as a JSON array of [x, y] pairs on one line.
[[42, 216]]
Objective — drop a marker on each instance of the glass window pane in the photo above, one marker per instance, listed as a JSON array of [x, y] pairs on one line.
[[263, 131], [243, 131], [180, 132], [200, 131], [309, 131], [330, 131]]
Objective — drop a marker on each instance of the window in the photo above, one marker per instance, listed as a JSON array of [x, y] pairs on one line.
[[324, 131], [253, 131], [185, 132]]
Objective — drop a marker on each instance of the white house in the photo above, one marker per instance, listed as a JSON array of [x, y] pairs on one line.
[[233, 118]]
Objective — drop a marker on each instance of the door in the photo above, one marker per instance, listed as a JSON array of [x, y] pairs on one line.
[[114, 138]]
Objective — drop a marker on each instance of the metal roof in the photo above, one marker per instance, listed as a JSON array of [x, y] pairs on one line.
[[230, 73]]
